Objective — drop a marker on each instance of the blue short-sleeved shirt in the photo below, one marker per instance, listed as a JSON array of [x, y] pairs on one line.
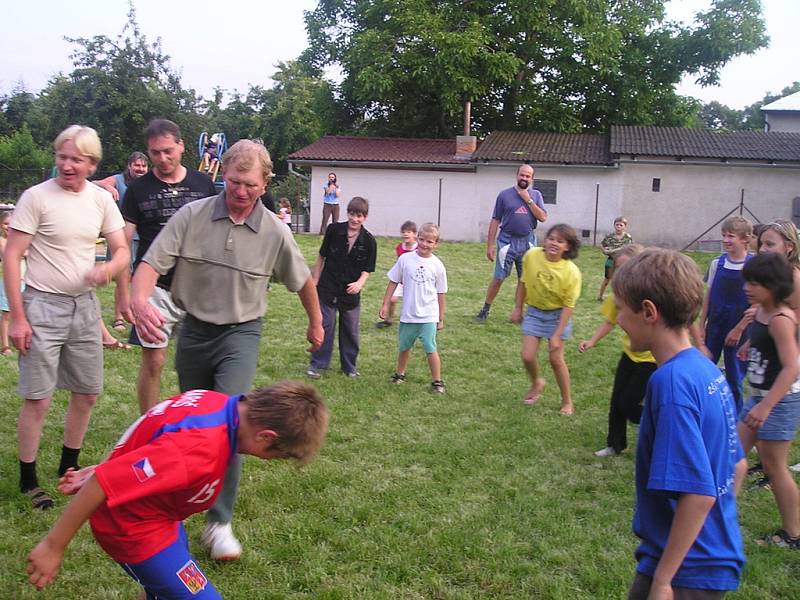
[[514, 215], [688, 445]]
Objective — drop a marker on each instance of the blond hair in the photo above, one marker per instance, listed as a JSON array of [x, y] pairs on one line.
[[85, 139], [245, 155], [668, 279], [431, 228], [738, 226], [788, 232]]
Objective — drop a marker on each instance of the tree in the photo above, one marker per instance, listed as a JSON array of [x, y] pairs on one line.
[[409, 65], [715, 115]]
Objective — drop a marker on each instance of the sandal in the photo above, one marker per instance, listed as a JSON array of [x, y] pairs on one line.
[[39, 499], [6, 351], [780, 539], [119, 325], [116, 345]]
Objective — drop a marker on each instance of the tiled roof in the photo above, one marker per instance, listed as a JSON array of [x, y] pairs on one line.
[[702, 143], [369, 149], [535, 147], [790, 102]]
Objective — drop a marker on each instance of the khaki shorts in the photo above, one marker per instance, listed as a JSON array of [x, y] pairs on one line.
[[162, 300], [66, 346]]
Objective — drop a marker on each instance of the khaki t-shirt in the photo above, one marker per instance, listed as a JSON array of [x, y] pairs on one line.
[[65, 226]]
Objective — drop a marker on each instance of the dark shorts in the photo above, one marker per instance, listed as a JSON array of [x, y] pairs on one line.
[[641, 588]]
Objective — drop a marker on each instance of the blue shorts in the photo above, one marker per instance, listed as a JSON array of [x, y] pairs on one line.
[[408, 333], [510, 251], [172, 574], [543, 323], [781, 424]]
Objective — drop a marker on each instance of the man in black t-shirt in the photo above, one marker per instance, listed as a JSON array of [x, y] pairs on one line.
[[148, 204]]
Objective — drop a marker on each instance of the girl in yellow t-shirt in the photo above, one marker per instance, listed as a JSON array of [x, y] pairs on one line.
[[633, 370], [550, 286]]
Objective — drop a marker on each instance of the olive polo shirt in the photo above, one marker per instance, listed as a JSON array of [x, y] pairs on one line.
[[222, 269]]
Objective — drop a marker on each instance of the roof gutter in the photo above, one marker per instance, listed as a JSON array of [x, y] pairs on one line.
[[296, 173], [543, 165], [465, 167], [706, 163]]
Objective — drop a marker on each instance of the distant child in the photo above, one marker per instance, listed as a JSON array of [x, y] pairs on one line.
[[285, 211], [424, 281], [633, 370], [610, 245], [551, 285], [169, 465], [408, 231], [5, 315], [346, 258], [688, 459], [771, 415], [725, 303]]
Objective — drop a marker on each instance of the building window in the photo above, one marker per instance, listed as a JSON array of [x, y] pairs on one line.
[[656, 184], [548, 189]]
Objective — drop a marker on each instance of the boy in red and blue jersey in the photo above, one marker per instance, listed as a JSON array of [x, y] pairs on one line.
[[169, 465]]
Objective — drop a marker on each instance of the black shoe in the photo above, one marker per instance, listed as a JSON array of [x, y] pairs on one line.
[[383, 324], [482, 316]]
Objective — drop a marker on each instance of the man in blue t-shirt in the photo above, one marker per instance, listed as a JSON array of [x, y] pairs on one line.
[[689, 463], [517, 211]]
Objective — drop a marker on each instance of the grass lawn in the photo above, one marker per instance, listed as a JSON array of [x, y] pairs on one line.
[[467, 495]]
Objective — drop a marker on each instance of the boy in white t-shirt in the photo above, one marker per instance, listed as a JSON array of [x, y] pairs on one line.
[[424, 282]]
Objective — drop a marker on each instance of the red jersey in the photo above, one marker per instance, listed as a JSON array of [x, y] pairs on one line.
[[400, 249], [168, 465]]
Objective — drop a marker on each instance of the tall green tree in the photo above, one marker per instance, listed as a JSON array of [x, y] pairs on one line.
[[715, 115], [557, 65]]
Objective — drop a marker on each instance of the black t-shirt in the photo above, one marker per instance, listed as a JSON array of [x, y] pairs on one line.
[[150, 202], [268, 201], [343, 267]]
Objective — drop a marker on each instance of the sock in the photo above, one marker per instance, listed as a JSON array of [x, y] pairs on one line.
[[69, 459], [27, 476], [486, 307]]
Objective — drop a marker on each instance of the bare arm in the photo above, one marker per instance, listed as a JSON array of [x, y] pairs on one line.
[[689, 517], [387, 299], [20, 330], [440, 299], [110, 185], [45, 559], [122, 293], [310, 301], [491, 236], [147, 318], [102, 275], [602, 331], [316, 270]]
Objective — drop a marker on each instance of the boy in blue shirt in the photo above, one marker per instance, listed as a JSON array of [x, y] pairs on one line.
[[688, 460]]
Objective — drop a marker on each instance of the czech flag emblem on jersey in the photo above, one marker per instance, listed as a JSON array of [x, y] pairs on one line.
[[143, 470], [192, 577]]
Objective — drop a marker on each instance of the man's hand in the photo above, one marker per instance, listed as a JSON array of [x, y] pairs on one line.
[[43, 563], [148, 321], [354, 287], [490, 252], [21, 334], [315, 334]]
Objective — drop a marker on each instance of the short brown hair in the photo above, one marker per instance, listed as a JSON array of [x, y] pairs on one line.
[[409, 226], [628, 251], [670, 280], [738, 226], [158, 127], [569, 234], [296, 412], [358, 205], [621, 219]]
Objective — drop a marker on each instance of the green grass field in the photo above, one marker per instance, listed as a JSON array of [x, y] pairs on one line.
[[466, 495]]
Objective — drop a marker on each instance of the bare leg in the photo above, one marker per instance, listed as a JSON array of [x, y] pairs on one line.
[[76, 421], [561, 372], [29, 427], [5, 319], [774, 455], [602, 289], [108, 339], [435, 363], [747, 438], [530, 351], [493, 289], [148, 388], [402, 361]]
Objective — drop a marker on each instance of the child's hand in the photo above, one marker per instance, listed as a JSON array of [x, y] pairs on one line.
[[556, 343], [43, 564], [743, 351], [733, 337], [439, 325], [585, 345], [383, 312], [72, 481], [516, 315]]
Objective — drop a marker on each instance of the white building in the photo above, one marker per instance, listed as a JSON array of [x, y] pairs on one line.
[[783, 114], [672, 183]]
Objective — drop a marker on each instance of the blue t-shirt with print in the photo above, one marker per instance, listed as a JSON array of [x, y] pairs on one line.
[[688, 445], [513, 213]]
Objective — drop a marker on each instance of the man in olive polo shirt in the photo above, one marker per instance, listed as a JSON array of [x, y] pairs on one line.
[[224, 249]]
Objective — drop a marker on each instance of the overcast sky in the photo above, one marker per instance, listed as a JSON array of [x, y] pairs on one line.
[[249, 38]]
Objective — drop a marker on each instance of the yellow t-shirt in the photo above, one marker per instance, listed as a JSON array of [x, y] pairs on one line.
[[609, 310], [550, 285]]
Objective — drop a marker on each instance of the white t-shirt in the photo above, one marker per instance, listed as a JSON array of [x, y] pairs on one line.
[[423, 280], [65, 226]]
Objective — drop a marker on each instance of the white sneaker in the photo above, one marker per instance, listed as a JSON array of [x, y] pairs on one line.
[[607, 451], [222, 544], [795, 468]]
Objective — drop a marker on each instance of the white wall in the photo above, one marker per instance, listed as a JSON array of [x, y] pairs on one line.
[[783, 121], [694, 197], [691, 199]]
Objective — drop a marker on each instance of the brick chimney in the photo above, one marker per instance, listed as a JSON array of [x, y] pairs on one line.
[[466, 146]]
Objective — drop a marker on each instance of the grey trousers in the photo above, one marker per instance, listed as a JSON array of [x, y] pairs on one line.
[[222, 358]]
